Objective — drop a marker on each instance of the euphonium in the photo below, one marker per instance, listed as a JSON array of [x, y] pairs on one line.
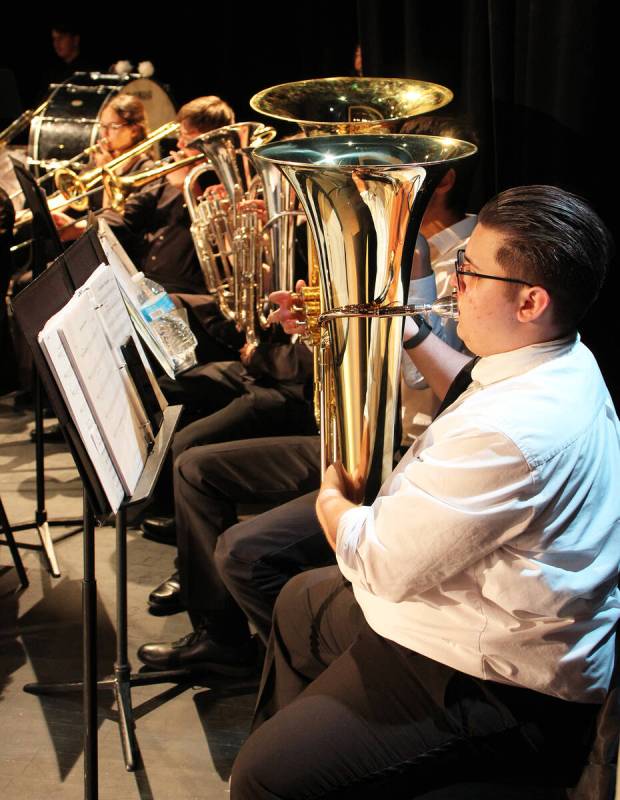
[[209, 229], [364, 197], [228, 223]]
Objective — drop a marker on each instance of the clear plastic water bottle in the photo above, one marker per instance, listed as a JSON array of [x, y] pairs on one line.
[[168, 323]]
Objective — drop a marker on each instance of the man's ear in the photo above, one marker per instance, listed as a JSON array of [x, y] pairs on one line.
[[534, 302], [447, 182]]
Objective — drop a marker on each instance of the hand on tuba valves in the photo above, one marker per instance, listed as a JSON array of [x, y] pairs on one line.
[[290, 314]]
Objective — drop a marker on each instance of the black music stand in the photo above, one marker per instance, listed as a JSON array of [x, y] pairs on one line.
[[6, 529], [46, 246], [33, 307]]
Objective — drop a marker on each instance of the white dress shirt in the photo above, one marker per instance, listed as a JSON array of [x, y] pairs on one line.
[[494, 547]]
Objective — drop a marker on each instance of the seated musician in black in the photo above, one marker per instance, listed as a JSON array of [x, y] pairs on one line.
[[154, 224]]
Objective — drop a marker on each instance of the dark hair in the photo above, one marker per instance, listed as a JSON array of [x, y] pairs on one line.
[[554, 239], [65, 26], [206, 113], [131, 110], [465, 168]]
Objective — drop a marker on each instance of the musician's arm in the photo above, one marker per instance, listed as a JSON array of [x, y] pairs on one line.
[[332, 502], [69, 229], [437, 361]]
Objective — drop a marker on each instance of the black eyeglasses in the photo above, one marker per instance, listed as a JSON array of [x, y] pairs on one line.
[[460, 273]]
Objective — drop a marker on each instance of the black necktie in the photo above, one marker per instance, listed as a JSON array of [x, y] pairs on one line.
[[458, 386]]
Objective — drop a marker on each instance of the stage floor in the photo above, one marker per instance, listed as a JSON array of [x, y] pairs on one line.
[[188, 739]]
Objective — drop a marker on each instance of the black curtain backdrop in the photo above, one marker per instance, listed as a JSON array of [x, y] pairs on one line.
[[533, 76]]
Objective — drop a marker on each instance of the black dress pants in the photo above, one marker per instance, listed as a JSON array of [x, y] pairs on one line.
[[232, 407], [346, 713], [256, 557], [209, 483]]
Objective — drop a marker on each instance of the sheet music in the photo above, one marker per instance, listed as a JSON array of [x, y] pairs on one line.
[[115, 253], [123, 269], [100, 378], [108, 302], [80, 413]]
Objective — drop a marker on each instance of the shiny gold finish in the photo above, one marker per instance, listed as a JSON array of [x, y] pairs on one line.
[[55, 202], [344, 106], [117, 187], [228, 225], [72, 185], [364, 197], [73, 190], [326, 106]]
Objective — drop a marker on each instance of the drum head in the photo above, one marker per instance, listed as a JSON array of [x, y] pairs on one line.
[[159, 108], [69, 123]]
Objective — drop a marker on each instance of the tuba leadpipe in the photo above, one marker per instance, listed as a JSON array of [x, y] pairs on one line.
[[364, 197]]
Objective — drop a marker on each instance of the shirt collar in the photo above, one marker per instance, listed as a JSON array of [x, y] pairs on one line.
[[500, 366], [451, 237]]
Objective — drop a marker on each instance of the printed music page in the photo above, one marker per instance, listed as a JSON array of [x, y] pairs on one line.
[[107, 300], [123, 269], [100, 378], [79, 409]]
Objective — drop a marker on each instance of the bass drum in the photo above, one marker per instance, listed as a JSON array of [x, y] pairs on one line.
[[69, 122]]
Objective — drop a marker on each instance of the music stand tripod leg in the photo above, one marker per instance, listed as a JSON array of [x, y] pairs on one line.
[[41, 513], [89, 657], [122, 668], [10, 540]]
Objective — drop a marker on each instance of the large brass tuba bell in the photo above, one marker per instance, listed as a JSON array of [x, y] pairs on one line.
[[364, 197], [325, 106], [351, 105]]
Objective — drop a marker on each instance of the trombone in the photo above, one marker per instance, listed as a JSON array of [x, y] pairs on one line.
[[73, 190], [70, 184], [18, 125], [118, 187]]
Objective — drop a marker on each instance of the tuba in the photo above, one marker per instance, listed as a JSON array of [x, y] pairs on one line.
[[326, 106], [338, 106], [227, 223], [364, 197]]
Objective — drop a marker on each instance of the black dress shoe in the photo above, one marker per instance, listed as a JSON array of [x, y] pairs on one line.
[[160, 529], [166, 598], [199, 652]]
